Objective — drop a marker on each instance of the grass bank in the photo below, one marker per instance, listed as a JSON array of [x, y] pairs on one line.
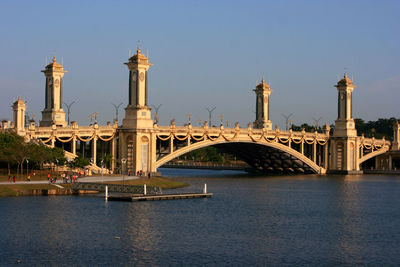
[[13, 190], [164, 183]]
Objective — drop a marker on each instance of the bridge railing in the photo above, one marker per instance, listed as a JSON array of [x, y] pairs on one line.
[[215, 131], [372, 143]]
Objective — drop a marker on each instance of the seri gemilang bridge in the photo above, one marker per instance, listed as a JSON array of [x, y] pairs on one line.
[[140, 144]]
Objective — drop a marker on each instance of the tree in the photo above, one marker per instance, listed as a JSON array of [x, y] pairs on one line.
[[8, 142], [80, 161]]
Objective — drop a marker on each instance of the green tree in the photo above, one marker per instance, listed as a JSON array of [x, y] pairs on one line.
[[80, 161]]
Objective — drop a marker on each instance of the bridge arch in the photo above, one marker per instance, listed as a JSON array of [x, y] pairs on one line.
[[373, 154], [287, 154]]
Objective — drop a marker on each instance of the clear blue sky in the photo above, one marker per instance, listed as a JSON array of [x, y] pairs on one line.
[[205, 54]]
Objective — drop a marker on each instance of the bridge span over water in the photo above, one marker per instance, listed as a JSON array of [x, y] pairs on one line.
[[140, 144]]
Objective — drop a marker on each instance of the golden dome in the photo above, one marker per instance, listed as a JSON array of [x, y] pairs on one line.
[[345, 81], [263, 84]]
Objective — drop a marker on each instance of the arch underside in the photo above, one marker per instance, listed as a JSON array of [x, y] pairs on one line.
[[373, 154], [266, 157]]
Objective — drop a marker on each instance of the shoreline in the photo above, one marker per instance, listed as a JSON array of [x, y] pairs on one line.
[[43, 188]]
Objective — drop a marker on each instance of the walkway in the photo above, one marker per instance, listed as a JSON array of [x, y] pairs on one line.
[[89, 179]]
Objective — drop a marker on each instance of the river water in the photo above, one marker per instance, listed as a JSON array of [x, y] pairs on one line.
[[250, 220]]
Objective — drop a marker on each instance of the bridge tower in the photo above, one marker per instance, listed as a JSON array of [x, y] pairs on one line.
[[19, 116], [53, 112], [263, 91], [396, 136], [137, 126], [344, 142]]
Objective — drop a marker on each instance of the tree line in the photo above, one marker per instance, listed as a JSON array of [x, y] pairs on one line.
[[15, 152], [378, 129]]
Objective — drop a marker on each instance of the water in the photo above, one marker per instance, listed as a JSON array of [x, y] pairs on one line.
[[287, 220]]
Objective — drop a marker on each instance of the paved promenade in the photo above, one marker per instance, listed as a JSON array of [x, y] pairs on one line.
[[93, 179]]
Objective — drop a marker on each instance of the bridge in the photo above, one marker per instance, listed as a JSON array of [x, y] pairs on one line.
[[140, 144]]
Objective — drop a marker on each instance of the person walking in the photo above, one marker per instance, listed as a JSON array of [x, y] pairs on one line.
[[29, 177], [14, 179]]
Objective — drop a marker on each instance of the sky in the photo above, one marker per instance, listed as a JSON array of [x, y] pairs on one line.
[[206, 54]]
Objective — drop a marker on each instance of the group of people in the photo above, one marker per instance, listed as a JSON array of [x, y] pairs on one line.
[[140, 173], [66, 177], [11, 180], [71, 177]]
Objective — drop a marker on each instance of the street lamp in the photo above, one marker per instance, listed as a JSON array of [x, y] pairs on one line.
[[316, 122], [69, 108], [116, 110], [209, 114], [123, 161], [221, 117], [189, 117], [287, 119], [93, 115], [156, 112]]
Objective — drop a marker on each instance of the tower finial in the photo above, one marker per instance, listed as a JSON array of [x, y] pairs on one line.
[[54, 59], [138, 47]]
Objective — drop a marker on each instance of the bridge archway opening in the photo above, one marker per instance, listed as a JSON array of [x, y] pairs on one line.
[[262, 158]]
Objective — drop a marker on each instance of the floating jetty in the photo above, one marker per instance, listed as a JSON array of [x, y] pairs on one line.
[[159, 197]]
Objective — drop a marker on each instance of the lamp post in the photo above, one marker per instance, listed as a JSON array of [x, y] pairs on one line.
[[156, 112], [221, 117], [210, 114], [68, 108], [189, 117], [287, 119], [123, 161], [316, 122], [116, 110]]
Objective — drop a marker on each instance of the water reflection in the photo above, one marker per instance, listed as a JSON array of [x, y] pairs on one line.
[[286, 220]]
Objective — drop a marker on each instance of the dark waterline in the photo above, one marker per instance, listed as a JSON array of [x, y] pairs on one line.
[[286, 220]]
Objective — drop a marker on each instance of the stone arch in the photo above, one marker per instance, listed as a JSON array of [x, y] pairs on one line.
[[277, 146], [373, 154]]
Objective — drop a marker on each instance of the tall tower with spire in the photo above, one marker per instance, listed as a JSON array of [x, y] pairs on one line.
[[138, 113], [19, 116], [53, 112], [137, 141], [344, 141], [263, 91]]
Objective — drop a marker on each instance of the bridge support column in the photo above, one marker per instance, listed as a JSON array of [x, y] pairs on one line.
[[153, 152], [390, 162], [74, 145], [326, 155], [188, 141], [53, 142], [94, 150], [315, 151], [302, 147], [171, 145], [113, 147]]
